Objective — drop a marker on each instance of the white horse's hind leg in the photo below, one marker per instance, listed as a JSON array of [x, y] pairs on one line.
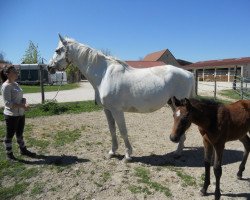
[[120, 120], [180, 146], [111, 123]]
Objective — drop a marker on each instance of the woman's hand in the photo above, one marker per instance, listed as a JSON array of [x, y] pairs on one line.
[[26, 106]]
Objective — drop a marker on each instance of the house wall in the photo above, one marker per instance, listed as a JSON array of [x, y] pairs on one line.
[[169, 59]]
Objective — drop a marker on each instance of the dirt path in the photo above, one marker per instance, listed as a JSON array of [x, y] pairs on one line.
[[81, 170]]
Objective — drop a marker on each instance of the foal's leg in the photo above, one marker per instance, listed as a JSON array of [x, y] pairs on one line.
[[208, 152], [111, 123], [217, 167], [120, 121], [246, 142]]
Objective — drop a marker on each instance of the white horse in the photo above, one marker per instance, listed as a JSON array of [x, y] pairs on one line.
[[120, 88]]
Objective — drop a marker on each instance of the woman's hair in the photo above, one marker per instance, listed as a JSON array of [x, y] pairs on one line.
[[4, 71]]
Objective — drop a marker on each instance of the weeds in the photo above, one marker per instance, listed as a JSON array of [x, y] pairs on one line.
[[143, 175], [187, 179]]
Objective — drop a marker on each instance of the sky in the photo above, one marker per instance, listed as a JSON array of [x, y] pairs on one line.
[[193, 30]]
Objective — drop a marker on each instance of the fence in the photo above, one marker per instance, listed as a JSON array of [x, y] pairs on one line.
[[241, 86], [238, 84]]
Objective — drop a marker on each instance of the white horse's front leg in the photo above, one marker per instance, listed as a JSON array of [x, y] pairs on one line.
[[180, 146], [120, 120], [111, 123]]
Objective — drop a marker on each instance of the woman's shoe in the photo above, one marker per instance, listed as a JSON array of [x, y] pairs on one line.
[[24, 151], [10, 156]]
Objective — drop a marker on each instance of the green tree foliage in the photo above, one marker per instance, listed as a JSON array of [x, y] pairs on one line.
[[32, 54], [2, 58], [73, 73]]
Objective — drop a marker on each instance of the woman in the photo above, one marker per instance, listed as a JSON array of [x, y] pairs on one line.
[[14, 107]]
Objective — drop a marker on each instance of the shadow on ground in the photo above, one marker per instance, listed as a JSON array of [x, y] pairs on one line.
[[191, 157], [63, 160]]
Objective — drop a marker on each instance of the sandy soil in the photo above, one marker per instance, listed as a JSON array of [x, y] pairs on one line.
[[89, 174]]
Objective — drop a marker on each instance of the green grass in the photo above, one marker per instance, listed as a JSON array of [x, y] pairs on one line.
[[232, 94], [48, 88], [66, 136], [144, 177], [187, 180], [38, 188], [54, 108], [13, 191], [138, 189]]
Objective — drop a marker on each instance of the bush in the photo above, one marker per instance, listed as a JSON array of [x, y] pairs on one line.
[[53, 107]]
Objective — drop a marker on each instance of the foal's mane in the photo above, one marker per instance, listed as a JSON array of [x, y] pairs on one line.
[[95, 54], [205, 104]]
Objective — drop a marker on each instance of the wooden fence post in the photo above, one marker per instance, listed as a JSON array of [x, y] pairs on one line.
[[215, 83], [41, 82], [196, 81]]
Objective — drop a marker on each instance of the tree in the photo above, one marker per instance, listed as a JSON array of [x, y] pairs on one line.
[[32, 54], [2, 58], [73, 73]]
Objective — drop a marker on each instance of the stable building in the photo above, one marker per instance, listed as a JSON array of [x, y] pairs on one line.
[[224, 69]]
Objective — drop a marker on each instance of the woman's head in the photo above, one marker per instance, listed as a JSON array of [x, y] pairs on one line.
[[8, 72]]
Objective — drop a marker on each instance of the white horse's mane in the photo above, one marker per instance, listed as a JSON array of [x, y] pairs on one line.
[[95, 54]]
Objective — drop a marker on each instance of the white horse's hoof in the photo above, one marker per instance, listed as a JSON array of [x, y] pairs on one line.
[[127, 159], [111, 154]]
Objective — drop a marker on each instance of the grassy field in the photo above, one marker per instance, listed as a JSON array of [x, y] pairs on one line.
[[48, 88], [232, 94], [54, 108]]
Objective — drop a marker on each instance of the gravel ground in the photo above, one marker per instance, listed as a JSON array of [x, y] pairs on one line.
[[89, 174]]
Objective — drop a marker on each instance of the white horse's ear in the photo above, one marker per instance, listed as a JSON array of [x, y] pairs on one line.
[[64, 42]]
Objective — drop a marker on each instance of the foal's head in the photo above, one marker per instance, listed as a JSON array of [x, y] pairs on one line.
[[182, 118]]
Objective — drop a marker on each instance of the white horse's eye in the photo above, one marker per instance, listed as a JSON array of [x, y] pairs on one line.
[[58, 51]]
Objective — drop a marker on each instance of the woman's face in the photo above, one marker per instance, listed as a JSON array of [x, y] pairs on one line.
[[13, 74]]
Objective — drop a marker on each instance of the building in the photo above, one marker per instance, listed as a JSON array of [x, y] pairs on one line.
[[163, 57], [224, 69]]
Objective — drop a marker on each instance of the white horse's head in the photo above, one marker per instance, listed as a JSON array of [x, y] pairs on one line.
[[60, 58]]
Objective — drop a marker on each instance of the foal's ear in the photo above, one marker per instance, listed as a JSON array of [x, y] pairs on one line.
[[187, 103], [176, 102], [64, 42]]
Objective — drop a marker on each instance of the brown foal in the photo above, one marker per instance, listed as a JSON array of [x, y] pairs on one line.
[[218, 124]]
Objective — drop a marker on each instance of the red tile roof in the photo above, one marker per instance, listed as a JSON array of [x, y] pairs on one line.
[[154, 56], [223, 62], [144, 64]]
